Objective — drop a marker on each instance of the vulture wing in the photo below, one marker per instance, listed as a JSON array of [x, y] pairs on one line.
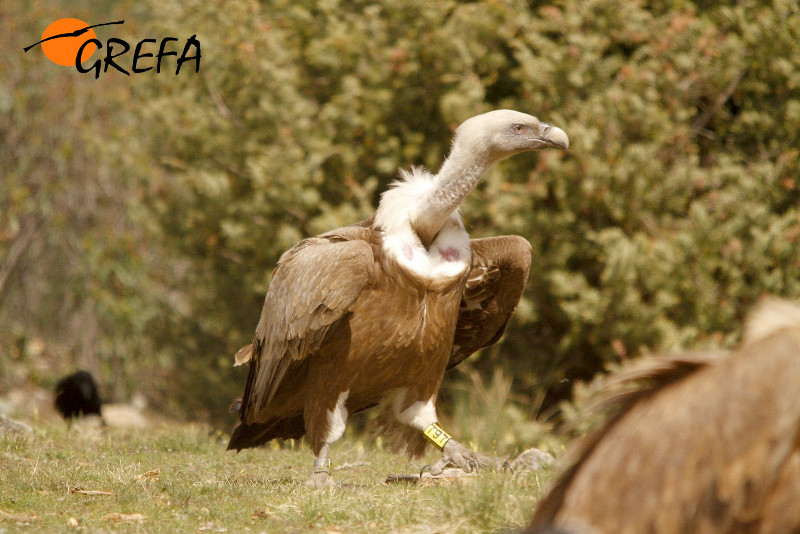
[[499, 272], [711, 444], [313, 288]]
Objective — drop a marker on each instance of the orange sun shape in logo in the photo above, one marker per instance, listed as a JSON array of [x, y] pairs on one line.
[[64, 49]]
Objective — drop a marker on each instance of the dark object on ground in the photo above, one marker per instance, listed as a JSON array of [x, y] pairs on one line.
[[710, 444], [77, 395]]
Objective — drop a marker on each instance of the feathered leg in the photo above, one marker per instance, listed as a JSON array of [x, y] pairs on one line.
[[499, 272], [324, 429], [422, 416], [321, 475]]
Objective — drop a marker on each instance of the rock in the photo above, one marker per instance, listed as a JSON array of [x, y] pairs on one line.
[[532, 460], [9, 426], [124, 416]]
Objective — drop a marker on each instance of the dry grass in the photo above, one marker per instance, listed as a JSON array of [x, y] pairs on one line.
[[181, 479]]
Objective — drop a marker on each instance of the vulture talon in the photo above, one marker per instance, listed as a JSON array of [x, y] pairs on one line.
[[456, 455], [424, 468]]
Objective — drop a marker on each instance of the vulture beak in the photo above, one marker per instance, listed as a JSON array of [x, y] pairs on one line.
[[553, 136]]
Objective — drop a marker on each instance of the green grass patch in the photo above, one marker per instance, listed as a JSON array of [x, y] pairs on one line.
[[179, 478]]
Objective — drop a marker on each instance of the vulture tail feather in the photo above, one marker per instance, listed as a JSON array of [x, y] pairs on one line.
[[245, 436]]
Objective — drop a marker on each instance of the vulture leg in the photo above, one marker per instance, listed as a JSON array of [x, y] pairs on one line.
[[499, 273], [421, 416], [320, 476], [324, 426]]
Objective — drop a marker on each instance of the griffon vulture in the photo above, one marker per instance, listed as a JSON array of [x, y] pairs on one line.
[[711, 445], [375, 313]]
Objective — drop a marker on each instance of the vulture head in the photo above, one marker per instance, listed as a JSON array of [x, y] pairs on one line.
[[500, 134], [479, 142]]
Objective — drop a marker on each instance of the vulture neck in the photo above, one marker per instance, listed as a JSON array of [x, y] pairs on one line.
[[459, 175]]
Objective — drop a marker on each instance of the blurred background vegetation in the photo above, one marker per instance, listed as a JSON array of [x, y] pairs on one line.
[[141, 216]]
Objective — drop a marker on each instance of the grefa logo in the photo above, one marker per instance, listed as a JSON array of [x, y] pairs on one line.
[[73, 42]]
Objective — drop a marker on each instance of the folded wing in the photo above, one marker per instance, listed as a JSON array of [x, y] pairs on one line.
[[499, 273], [313, 288]]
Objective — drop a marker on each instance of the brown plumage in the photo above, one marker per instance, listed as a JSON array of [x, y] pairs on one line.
[[375, 313], [710, 445]]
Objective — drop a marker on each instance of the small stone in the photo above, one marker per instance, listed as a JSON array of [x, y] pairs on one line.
[[9, 426], [532, 460]]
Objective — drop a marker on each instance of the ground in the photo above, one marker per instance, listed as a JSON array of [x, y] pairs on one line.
[[179, 478]]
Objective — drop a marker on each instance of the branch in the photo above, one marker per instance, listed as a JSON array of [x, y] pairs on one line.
[[26, 235], [700, 122]]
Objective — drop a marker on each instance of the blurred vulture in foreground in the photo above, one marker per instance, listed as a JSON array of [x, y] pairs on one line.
[[374, 313], [710, 445]]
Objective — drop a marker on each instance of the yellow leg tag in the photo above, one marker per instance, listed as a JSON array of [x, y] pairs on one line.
[[436, 435]]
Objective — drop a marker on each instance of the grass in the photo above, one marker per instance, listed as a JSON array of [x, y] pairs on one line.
[[179, 478]]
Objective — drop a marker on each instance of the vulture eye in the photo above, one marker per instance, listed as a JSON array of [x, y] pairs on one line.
[[519, 128]]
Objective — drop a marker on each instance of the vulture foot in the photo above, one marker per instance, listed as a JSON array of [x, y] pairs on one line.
[[319, 479], [454, 454], [321, 476]]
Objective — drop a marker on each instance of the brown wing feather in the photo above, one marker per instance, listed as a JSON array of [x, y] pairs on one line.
[[619, 394], [499, 273], [711, 445], [314, 286], [347, 233]]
